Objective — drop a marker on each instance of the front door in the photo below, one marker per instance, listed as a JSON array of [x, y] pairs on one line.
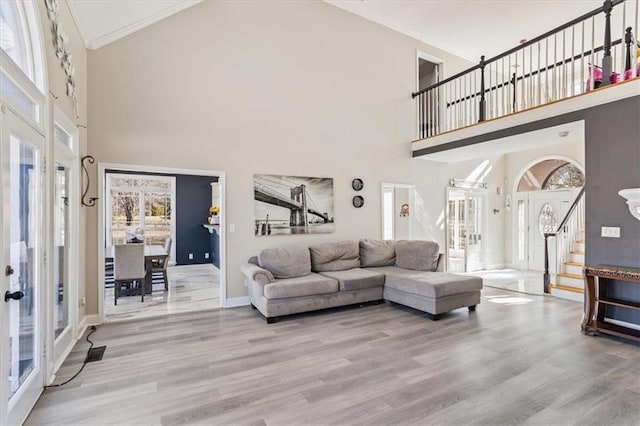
[[546, 211], [21, 354]]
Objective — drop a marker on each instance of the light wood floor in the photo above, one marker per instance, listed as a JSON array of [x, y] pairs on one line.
[[522, 360]]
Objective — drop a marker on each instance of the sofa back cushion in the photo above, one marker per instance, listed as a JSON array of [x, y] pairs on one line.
[[286, 262], [335, 256], [377, 253], [417, 255]]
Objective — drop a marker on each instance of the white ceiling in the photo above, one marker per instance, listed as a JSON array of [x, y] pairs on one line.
[[101, 22], [470, 28]]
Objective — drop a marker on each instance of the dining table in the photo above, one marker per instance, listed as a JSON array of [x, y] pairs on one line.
[[151, 253]]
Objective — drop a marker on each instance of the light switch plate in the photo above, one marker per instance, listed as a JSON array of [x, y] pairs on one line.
[[610, 232], [232, 227]]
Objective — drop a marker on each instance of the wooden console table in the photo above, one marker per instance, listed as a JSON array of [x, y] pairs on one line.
[[597, 299]]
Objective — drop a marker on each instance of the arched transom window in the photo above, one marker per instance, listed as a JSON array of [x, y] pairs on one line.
[[551, 174]]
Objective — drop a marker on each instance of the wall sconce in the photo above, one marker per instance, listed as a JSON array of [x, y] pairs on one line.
[[85, 173], [507, 202], [404, 210], [632, 195]]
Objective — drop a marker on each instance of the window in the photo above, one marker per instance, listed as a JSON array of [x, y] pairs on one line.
[[547, 220], [140, 208], [551, 174], [14, 38]]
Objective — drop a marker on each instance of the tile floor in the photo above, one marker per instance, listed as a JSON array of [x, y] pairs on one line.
[[191, 288], [529, 282]]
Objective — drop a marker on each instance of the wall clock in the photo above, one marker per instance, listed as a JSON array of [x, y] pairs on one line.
[[358, 201], [357, 184]]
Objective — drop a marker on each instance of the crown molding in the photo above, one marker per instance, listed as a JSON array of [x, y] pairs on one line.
[[76, 20], [101, 41]]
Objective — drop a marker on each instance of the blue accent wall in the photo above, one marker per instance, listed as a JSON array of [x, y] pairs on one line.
[[193, 199]]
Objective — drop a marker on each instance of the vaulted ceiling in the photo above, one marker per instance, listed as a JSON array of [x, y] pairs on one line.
[[468, 28]]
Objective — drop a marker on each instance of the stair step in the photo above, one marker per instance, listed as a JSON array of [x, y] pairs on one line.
[[573, 268], [581, 241], [567, 288], [567, 293], [576, 252], [574, 263], [568, 275]]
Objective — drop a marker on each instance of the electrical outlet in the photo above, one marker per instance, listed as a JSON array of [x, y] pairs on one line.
[[206, 255], [81, 302], [610, 231], [190, 256]]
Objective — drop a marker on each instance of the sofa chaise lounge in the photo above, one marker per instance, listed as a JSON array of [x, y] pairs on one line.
[[289, 280]]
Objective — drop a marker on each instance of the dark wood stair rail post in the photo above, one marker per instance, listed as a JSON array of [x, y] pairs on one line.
[[607, 7], [513, 81], [482, 104], [546, 276]]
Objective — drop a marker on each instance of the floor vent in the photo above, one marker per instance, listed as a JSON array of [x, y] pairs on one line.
[[96, 354]]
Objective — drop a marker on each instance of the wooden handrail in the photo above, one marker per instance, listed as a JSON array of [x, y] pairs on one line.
[[568, 215]]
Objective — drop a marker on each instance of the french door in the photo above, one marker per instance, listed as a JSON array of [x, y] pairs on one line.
[[22, 249], [466, 223]]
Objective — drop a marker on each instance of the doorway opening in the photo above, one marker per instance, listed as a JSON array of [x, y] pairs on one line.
[[429, 73], [397, 203], [466, 226], [170, 212], [543, 194]]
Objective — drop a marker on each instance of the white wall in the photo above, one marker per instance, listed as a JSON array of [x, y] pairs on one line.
[[295, 88]]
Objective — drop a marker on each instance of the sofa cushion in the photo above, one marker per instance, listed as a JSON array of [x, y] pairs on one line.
[[356, 279], [417, 255], [286, 262], [429, 284], [335, 256], [377, 252], [309, 285]]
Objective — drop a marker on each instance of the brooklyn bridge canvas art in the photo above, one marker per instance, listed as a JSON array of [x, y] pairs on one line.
[[293, 205]]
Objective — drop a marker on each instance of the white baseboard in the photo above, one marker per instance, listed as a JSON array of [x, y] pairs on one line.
[[234, 302], [497, 266], [86, 322]]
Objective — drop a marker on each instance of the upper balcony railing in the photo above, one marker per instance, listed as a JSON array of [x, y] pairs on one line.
[[567, 61]]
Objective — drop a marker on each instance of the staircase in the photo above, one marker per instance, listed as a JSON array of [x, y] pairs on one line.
[[569, 280], [570, 248]]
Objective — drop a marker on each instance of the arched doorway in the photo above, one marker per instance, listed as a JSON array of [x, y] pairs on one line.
[[543, 194]]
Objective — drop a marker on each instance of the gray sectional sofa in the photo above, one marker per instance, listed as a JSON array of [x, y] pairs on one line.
[[289, 280]]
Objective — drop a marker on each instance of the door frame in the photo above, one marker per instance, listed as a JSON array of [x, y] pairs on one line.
[[57, 355], [441, 65], [30, 391], [103, 167], [411, 188]]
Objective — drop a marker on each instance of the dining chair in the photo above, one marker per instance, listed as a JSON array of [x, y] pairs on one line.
[[160, 265], [128, 267]]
